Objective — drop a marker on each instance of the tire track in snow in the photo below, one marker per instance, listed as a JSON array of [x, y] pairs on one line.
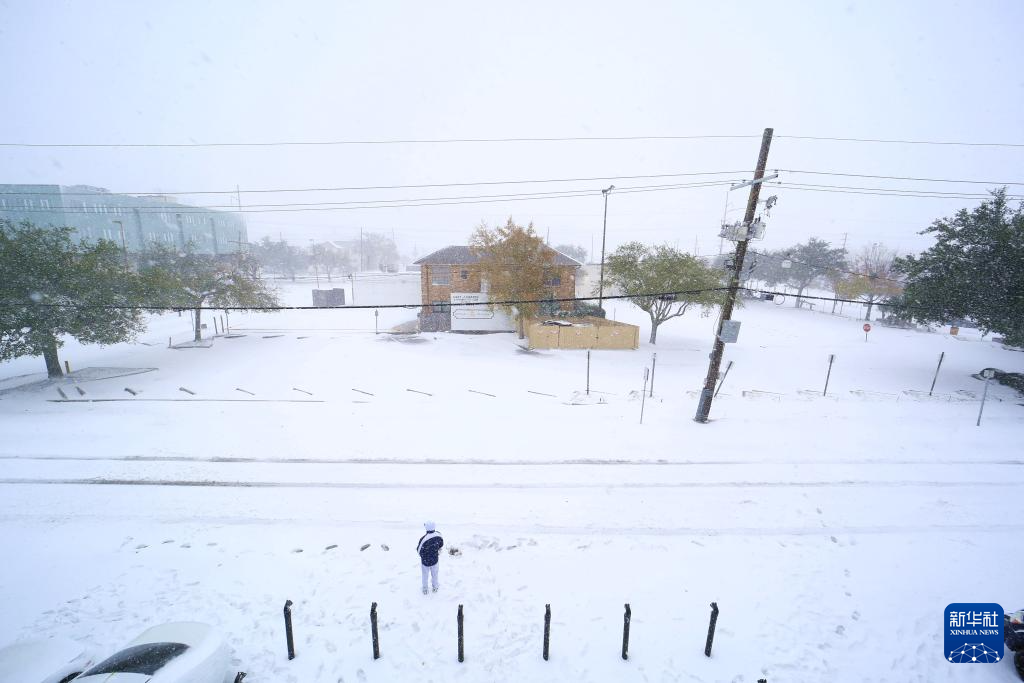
[[207, 483], [499, 463]]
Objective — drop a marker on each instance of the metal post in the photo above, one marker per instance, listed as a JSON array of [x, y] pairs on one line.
[[711, 629], [831, 357], [643, 395], [704, 407], [461, 654], [373, 631], [223, 329], [934, 379], [124, 245], [984, 395], [376, 319], [604, 231], [588, 372], [288, 629], [547, 631], [625, 631], [654, 363], [722, 381]]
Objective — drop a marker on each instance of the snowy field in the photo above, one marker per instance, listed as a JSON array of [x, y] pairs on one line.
[[831, 531]]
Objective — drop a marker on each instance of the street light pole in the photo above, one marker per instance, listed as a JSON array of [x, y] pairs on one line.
[[124, 246], [604, 231], [312, 256]]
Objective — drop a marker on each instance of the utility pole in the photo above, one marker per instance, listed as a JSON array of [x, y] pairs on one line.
[[604, 231], [707, 394]]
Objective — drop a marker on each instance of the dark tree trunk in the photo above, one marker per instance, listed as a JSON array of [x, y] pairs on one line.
[[799, 293], [52, 360], [654, 331], [199, 330], [868, 316]]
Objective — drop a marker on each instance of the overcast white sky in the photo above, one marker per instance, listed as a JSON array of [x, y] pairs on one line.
[[131, 72]]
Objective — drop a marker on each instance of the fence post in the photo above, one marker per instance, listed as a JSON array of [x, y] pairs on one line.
[[711, 629], [461, 653], [654, 364], [288, 629], [643, 395], [373, 631], [625, 631], [936, 377], [588, 372], [831, 357], [722, 381], [547, 631]]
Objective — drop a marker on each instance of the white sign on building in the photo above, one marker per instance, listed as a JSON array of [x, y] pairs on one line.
[[472, 313]]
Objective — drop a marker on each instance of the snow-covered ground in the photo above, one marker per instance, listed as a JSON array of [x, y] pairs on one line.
[[831, 531]]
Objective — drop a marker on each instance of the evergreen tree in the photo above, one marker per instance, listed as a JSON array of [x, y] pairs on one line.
[[51, 287], [974, 270]]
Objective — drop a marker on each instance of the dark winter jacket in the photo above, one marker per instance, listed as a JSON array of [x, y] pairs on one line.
[[428, 548]]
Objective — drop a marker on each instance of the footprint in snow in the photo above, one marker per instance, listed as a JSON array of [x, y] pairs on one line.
[[834, 539], [297, 550], [840, 630], [212, 543], [169, 540], [185, 545], [141, 546]]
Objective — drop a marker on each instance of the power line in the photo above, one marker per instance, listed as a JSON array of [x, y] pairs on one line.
[[899, 193], [392, 187], [905, 142], [510, 302], [888, 190], [898, 177], [704, 290], [318, 143], [436, 141], [388, 203]]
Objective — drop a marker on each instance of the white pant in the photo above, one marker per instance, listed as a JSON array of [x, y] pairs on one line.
[[432, 571]]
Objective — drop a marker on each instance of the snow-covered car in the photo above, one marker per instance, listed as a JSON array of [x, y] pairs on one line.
[[54, 660], [179, 652]]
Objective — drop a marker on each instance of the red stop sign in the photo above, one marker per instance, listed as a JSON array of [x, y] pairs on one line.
[[867, 327]]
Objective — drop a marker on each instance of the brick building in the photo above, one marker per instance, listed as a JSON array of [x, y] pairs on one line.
[[455, 270]]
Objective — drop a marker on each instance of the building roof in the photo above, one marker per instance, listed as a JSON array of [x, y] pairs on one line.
[[459, 255]]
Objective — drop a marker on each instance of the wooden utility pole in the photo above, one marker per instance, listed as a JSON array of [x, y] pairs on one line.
[[707, 394]]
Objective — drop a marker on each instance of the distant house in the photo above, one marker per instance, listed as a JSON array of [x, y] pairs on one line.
[[449, 275]]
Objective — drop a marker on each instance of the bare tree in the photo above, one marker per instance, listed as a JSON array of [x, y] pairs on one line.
[[875, 278]]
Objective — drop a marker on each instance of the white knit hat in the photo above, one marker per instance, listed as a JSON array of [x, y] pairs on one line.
[[429, 526]]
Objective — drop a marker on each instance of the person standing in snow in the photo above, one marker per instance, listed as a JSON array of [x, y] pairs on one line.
[[429, 547]]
